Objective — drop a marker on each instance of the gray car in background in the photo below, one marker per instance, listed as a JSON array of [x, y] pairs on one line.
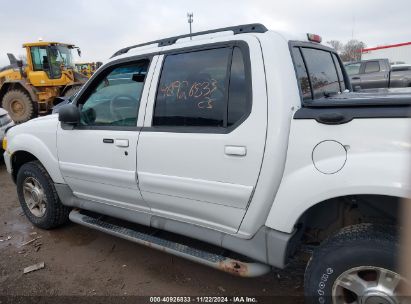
[[378, 73]]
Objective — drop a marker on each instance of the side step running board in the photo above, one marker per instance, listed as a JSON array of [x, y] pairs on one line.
[[245, 269]]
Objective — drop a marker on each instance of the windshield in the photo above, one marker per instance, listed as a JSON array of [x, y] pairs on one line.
[[61, 54]]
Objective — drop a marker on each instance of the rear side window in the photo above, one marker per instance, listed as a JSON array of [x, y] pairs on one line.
[[372, 67], [322, 72], [206, 88]]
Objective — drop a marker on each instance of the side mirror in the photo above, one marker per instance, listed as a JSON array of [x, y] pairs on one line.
[[69, 114]]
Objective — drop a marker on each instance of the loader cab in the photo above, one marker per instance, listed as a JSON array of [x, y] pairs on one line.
[[53, 59]]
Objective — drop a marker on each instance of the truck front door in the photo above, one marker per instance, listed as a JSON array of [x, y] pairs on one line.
[[98, 157]]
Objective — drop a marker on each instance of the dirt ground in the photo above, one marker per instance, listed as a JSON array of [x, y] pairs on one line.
[[83, 262]]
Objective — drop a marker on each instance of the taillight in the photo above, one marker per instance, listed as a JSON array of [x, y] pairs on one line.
[[314, 38]]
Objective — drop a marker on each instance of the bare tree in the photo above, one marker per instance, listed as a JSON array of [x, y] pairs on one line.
[[352, 50], [336, 45]]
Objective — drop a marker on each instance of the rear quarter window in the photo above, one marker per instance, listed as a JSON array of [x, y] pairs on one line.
[[319, 72], [322, 72]]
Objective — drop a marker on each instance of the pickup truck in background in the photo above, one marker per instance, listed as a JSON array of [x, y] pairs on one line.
[[378, 73], [234, 149]]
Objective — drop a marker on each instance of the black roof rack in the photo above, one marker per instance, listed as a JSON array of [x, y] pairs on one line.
[[239, 29]]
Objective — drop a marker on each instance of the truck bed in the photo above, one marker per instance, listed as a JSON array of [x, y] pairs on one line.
[[343, 108], [369, 97]]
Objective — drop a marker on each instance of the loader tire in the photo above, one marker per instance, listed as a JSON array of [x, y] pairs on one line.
[[19, 105]]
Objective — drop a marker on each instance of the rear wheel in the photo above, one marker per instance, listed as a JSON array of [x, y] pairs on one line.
[[357, 265], [19, 105]]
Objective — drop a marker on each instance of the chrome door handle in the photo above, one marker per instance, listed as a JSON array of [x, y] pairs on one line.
[[108, 140], [235, 150], [121, 143]]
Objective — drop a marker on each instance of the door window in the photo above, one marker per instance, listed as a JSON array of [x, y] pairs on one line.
[[207, 88], [39, 58], [353, 68], [115, 98]]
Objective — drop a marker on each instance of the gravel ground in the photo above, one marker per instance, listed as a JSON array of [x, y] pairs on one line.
[[83, 262]]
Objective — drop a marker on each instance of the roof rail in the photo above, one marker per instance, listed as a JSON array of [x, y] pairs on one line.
[[239, 29]]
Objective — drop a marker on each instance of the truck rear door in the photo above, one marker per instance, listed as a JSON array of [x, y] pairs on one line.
[[201, 148]]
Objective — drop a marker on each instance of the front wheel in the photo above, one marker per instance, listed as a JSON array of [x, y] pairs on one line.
[[38, 197], [357, 265]]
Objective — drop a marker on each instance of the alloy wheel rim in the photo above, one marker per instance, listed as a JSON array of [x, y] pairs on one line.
[[34, 196], [368, 285]]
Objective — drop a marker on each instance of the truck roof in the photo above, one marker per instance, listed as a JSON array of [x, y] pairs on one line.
[[235, 30]]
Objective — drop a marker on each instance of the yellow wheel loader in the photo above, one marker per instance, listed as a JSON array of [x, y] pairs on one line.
[[87, 68], [29, 90]]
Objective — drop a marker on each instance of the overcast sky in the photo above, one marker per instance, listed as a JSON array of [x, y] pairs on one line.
[[100, 27]]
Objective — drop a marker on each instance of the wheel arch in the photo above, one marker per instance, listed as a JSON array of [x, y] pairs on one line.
[[325, 218], [21, 157], [18, 159], [328, 216], [25, 148], [286, 214]]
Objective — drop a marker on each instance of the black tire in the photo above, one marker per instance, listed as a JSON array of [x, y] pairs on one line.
[[353, 246], [19, 105], [56, 214], [73, 90]]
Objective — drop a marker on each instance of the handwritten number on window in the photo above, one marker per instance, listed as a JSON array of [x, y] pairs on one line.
[[182, 89]]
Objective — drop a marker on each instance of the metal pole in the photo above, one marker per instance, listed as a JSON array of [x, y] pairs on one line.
[[190, 21]]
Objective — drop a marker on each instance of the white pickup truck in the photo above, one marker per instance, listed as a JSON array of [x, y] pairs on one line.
[[234, 148]]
